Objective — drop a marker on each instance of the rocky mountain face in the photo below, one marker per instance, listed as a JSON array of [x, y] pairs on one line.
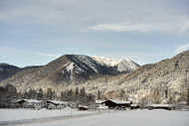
[[7, 71], [58, 74]]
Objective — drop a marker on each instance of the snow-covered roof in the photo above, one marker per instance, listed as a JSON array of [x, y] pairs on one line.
[[33, 100], [29, 100], [57, 102], [114, 100], [99, 101], [134, 105], [121, 101], [160, 105]]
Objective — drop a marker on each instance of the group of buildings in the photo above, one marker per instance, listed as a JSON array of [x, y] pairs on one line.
[[34, 104], [105, 104]]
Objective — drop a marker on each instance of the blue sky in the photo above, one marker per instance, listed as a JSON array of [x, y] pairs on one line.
[[34, 32]]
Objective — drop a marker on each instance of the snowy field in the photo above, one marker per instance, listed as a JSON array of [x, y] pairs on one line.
[[116, 118], [21, 114]]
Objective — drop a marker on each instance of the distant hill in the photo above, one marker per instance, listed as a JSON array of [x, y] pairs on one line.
[[7, 71]]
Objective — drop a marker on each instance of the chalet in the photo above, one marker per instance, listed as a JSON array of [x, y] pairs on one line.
[[19, 103], [50, 104], [29, 103], [115, 104]]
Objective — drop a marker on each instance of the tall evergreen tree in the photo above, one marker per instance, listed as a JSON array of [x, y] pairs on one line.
[[40, 94]]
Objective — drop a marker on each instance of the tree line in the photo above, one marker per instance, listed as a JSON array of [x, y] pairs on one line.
[[75, 95]]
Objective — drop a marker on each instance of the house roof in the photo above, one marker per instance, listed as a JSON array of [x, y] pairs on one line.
[[27, 100], [160, 105], [99, 101], [56, 102], [121, 102], [114, 101]]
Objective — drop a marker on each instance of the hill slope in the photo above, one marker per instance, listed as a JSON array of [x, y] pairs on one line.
[[7, 71], [163, 82]]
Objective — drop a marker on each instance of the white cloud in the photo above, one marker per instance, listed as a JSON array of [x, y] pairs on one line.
[[182, 48], [124, 27], [179, 26]]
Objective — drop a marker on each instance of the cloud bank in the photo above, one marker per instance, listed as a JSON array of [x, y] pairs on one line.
[[100, 15]]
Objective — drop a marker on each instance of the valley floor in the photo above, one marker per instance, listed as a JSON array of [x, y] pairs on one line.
[[86, 118]]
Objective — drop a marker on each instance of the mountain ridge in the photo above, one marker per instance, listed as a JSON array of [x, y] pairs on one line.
[[65, 70]]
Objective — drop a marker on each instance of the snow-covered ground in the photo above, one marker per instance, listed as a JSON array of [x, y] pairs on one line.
[[117, 118], [21, 114], [128, 118]]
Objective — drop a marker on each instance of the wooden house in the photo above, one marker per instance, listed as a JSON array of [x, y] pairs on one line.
[[50, 104], [116, 104], [29, 103]]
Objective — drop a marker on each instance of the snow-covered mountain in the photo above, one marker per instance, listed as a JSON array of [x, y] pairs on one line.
[[122, 65], [81, 66], [68, 70]]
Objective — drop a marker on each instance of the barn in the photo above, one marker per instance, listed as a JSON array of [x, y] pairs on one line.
[[50, 104], [116, 104], [29, 103]]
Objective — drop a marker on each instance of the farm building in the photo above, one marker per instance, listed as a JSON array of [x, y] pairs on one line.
[[50, 104], [29, 103], [116, 104]]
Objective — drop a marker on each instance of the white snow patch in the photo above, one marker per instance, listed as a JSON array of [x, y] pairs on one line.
[[123, 64], [106, 61], [70, 67]]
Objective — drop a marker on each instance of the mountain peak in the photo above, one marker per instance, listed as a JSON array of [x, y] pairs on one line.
[[123, 65]]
